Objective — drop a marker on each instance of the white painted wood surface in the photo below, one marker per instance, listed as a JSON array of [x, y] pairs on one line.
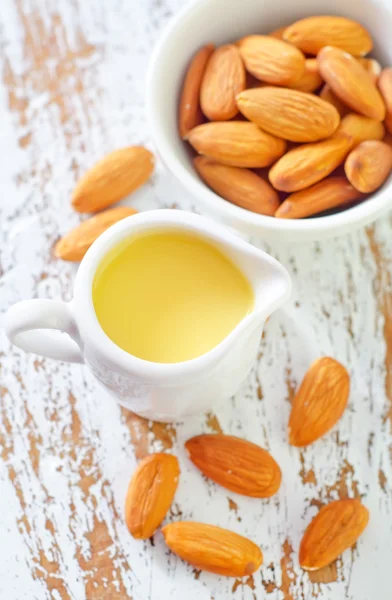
[[72, 90]]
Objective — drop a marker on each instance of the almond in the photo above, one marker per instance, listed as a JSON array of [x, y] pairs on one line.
[[372, 66], [237, 143], [293, 115], [333, 530], [75, 244], [351, 82], [271, 59], [223, 79], [320, 401], [313, 33], [213, 549], [327, 194], [311, 79], [385, 87], [189, 114], [235, 464], [361, 128], [368, 166], [308, 164], [111, 179], [328, 95], [150, 494], [239, 186]]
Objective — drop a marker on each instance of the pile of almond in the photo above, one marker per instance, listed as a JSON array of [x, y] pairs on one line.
[[302, 101], [245, 468]]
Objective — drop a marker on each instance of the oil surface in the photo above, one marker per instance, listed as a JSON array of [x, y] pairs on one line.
[[169, 296]]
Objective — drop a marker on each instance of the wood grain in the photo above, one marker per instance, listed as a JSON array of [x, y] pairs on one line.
[[71, 91]]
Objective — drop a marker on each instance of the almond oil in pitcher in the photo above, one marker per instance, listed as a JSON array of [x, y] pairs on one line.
[[169, 296]]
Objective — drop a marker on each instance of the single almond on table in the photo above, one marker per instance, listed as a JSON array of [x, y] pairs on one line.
[[372, 66], [313, 33], [327, 194], [111, 179], [150, 494], [368, 166], [235, 464], [311, 79], [305, 165], [271, 59], [239, 186], [333, 530], [320, 401], [361, 128], [293, 115], [213, 549], [223, 79], [351, 82], [236, 143], [189, 114], [328, 95], [74, 245], [385, 86]]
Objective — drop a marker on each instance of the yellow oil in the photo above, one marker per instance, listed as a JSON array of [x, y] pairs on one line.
[[169, 296]]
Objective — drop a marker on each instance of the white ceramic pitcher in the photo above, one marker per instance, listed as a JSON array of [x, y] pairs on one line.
[[163, 392]]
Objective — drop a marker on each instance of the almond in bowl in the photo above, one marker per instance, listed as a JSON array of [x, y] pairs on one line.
[[291, 99], [301, 78]]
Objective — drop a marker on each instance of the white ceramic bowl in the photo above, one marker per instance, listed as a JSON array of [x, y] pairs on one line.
[[221, 21]]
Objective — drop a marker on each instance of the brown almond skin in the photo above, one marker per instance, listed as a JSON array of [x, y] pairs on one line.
[[369, 165], [310, 80], [239, 186], [328, 95], [113, 178], [271, 60], [333, 530], [305, 165], [223, 79], [351, 82], [213, 549], [388, 139], [327, 194], [385, 86], [291, 114], [313, 33], [253, 82], [236, 143], [320, 401], [74, 245], [189, 113], [361, 128], [236, 464], [150, 494]]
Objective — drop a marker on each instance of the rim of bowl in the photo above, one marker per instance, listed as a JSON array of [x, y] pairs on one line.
[[364, 212]]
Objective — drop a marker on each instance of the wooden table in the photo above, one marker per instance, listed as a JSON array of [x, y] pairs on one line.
[[72, 90]]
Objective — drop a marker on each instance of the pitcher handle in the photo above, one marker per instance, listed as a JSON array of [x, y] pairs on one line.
[[23, 323]]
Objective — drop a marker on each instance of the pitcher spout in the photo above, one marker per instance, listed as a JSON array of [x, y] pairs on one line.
[[270, 281], [273, 286]]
